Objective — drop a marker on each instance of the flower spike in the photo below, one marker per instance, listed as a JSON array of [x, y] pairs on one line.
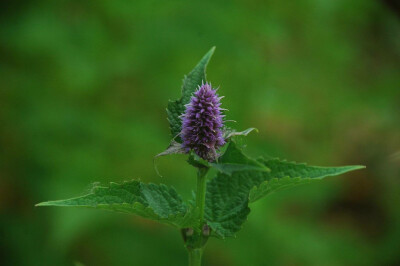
[[202, 123]]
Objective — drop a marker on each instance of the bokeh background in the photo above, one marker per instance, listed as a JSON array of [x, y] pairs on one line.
[[84, 87]]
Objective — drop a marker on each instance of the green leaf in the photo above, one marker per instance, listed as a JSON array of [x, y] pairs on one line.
[[198, 162], [288, 174], [234, 160], [228, 196], [276, 184], [281, 168], [173, 148], [190, 83], [229, 132], [156, 202], [226, 204]]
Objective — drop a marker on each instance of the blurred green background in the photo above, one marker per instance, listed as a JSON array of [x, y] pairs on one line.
[[84, 87]]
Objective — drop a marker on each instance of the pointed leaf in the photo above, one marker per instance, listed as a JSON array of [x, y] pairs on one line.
[[155, 202], [227, 197], [190, 83], [229, 132], [277, 184], [288, 174], [173, 148], [234, 160], [281, 168]]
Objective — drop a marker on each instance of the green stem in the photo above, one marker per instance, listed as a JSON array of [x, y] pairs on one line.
[[201, 195], [196, 251], [195, 256]]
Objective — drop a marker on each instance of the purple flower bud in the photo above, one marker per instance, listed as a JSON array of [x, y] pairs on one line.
[[202, 123]]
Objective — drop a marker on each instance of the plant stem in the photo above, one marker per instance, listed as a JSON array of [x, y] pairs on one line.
[[196, 251], [201, 195], [195, 256]]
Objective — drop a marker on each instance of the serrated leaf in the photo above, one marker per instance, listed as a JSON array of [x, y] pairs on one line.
[[226, 205], [156, 202], [229, 132], [288, 174], [227, 197], [190, 83], [276, 184], [173, 148], [281, 168], [234, 160]]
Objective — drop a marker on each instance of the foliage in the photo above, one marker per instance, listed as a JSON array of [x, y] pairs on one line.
[[156, 202], [228, 196], [190, 83], [222, 204], [83, 95]]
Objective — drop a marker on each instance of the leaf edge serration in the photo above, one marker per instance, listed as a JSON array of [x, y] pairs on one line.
[[183, 216]]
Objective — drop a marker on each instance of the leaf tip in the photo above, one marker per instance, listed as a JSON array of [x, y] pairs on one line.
[[46, 203], [209, 54], [354, 167], [357, 167], [155, 166]]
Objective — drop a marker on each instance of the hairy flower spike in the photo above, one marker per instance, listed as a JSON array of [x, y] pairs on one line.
[[202, 123]]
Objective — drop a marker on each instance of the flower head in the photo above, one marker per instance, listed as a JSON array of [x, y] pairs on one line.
[[202, 123]]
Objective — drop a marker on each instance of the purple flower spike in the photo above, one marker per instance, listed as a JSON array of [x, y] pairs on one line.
[[202, 123]]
